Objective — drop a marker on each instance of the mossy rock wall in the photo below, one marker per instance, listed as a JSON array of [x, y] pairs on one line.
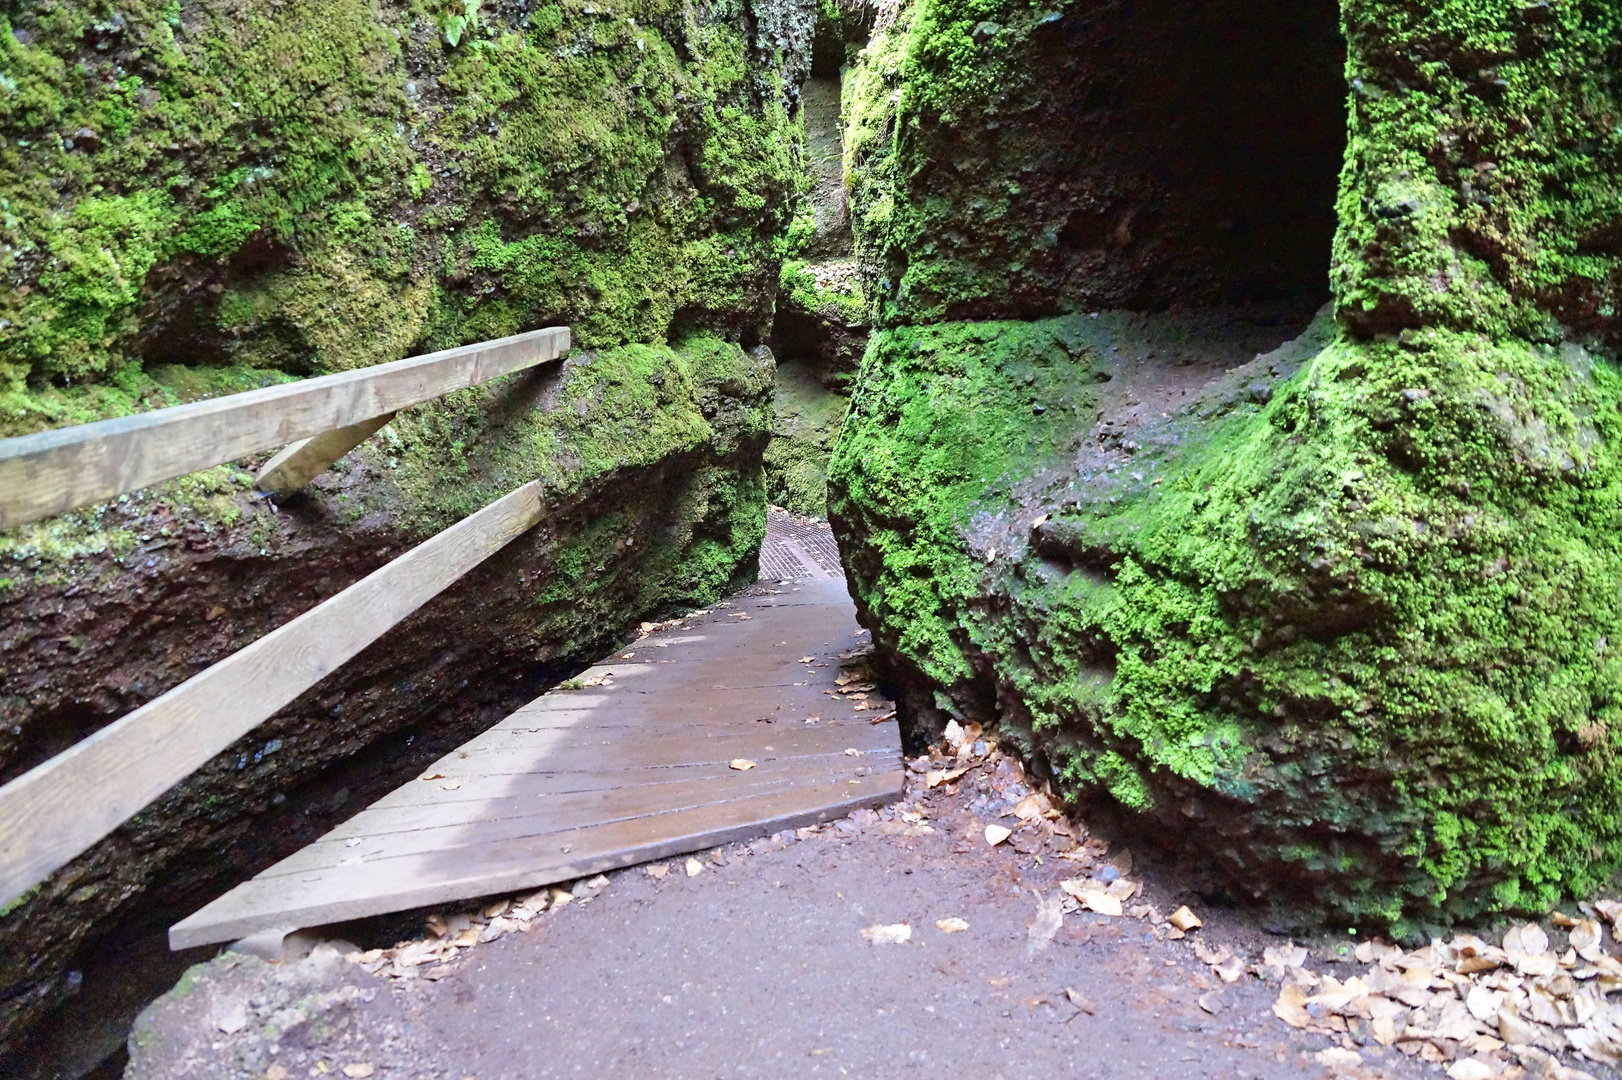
[[204, 197], [1334, 621], [320, 186], [805, 426]]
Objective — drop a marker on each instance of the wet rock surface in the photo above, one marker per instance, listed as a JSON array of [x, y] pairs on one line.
[[1280, 618]]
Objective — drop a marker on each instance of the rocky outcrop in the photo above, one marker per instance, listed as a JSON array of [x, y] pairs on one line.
[[1326, 611], [821, 324], [206, 197]]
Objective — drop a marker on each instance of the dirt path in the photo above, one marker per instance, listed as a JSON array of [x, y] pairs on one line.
[[756, 965]]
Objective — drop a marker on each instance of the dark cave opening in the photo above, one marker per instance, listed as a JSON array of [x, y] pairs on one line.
[[1207, 145]]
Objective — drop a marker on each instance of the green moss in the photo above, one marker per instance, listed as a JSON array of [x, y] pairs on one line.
[[1480, 184], [871, 89], [1359, 634], [798, 287], [16, 902], [129, 391], [804, 429], [1355, 639], [327, 186]]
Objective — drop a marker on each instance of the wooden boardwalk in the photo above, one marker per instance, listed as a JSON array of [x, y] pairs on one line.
[[636, 764]]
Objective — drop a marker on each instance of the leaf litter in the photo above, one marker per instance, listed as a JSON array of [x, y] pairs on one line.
[[1512, 1009]]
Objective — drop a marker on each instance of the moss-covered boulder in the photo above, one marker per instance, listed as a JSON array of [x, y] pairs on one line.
[[208, 197], [1334, 619]]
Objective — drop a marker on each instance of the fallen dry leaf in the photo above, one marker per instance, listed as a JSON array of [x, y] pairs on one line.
[[1101, 902], [894, 934], [1208, 955], [954, 734], [1338, 1055], [996, 834], [360, 1070], [1080, 1001], [851, 751], [658, 873], [741, 764], [1282, 957], [1031, 806], [1291, 1006], [1586, 938], [450, 785], [1534, 942], [1049, 917], [1230, 969], [694, 867], [1470, 1069], [276, 1072], [233, 1019], [937, 777], [434, 776], [1211, 1001], [1384, 1030], [1184, 919], [951, 925]]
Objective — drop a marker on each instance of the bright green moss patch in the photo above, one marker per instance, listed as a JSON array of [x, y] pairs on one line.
[[1358, 636], [805, 426], [1480, 189], [320, 187]]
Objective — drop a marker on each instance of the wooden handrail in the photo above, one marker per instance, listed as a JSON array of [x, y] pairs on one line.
[[54, 471], [58, 809]]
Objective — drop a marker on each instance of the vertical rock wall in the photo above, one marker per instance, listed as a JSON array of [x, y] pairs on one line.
[[1333, 621], [207, 196]]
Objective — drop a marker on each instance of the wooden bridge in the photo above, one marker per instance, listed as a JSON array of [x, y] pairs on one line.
[[730, 722]]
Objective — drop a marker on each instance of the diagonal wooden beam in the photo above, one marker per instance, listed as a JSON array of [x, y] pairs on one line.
[[306, 459], [60, 808], [54, 471]]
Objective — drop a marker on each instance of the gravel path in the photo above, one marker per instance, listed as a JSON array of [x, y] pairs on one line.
[[756, 966]]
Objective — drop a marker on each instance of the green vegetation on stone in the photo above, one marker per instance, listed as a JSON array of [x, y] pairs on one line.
[[1360, 636], [1356, 637], [318, 187]]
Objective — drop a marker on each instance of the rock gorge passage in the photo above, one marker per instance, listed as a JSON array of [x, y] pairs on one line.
[[1233, 412]]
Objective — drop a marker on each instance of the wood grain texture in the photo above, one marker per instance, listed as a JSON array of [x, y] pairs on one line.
[[54, 471], [578, 782], [306, 459], [58, 809]]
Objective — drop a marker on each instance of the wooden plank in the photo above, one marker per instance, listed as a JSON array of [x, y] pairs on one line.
[[581, 781], [306, 459], [422, 830], [58, 809], [672, 750], [371, 888], [53, 471]]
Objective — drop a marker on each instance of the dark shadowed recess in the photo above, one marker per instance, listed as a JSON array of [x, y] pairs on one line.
[[1224, 126], [1236, 110], [1178, 153]]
